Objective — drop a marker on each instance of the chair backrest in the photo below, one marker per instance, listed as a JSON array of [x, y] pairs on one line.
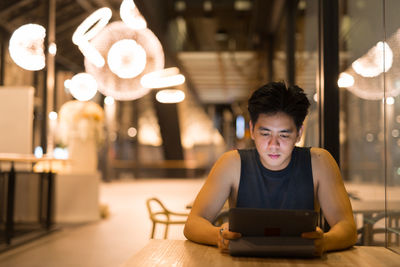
[[155, 206]]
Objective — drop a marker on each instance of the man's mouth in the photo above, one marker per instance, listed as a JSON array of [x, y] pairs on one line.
[[273, 156]]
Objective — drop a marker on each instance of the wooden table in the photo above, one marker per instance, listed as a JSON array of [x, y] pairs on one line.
[[186, 253], [14, 158]]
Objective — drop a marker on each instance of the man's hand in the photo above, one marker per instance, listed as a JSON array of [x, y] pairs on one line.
[[318, 236], [224, 235]]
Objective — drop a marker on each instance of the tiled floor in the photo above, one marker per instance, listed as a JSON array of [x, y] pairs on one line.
[[110, 241]]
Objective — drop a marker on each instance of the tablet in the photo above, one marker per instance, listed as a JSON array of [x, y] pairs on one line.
[[271, 222], [270, 232]]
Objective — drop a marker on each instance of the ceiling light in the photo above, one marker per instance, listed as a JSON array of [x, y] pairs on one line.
[[180, 6], [83, 86], [132, 132], [207, 5], [53, 115], [302, 5], [67, 83], [378, 59], [163, 78], [92, 25], [91, 54], [169, 96], [109, 83], [149, 131], [38, 152], [131, 16], [53, 49], [109, 100], [26, 47], [345, 80], [126, 59], [390, 100], [315, 97], [88, 29], [242, 5]]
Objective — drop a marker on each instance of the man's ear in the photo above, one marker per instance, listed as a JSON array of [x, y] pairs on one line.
[[299, 133], [251, 129]]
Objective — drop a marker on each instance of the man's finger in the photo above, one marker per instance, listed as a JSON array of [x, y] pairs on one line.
[[312, 235], [230, 235]]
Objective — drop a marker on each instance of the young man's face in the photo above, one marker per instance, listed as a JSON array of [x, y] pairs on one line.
[[275, 137]]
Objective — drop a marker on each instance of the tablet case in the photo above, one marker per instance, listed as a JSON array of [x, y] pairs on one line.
[[276, 233]]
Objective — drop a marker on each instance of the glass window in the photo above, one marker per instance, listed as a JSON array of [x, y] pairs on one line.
[[369, 117], [307, 64], [392, 119]]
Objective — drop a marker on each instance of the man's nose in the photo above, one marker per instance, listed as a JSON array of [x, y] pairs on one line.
[[273, 141]]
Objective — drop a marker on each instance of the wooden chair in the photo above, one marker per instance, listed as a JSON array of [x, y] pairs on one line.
[[160, 214], [368, 230]]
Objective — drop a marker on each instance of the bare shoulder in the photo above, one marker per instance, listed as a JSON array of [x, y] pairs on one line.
[[230, 157], [228, 165], [319, 152], [324, 166], [218, 185], [320, 156]]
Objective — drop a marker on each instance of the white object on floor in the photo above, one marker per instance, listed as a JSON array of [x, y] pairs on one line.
[[77, 197]]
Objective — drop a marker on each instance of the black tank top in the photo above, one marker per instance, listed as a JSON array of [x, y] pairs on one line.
[[290, 188]]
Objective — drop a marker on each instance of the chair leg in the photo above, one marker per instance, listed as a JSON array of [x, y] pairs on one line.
[[152, 231], [367, 233], [397, 236], [388, 233], [166, 231]]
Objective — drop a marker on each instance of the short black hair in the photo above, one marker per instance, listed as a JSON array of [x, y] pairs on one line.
[[275, 97]]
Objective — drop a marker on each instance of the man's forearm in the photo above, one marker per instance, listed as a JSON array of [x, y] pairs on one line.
[[200, 230], [342, 235]]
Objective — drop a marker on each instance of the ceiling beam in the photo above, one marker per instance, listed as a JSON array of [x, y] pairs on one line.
[[14, 7], [86, 5], [278, 7], [74, 22], [68, 64], [8, 26], [106, 3]]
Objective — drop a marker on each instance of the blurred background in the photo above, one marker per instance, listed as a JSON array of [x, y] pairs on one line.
[[207, 56]]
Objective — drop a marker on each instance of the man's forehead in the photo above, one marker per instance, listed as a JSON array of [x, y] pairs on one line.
[[283, 130], [275, 120]]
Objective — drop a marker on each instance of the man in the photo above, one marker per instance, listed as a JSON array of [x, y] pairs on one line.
[[275, 175]]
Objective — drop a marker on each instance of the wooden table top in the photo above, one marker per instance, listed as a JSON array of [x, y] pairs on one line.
[[372, 206], [29, 158], [15, 157], [186, 253]]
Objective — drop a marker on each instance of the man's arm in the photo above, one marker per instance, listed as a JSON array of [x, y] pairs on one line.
[[211, 199], [334, 201]]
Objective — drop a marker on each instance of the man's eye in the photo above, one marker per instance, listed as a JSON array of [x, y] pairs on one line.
[[284, 136], [265, 134]]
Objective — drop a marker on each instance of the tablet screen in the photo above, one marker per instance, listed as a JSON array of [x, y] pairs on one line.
[[271, 222]]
